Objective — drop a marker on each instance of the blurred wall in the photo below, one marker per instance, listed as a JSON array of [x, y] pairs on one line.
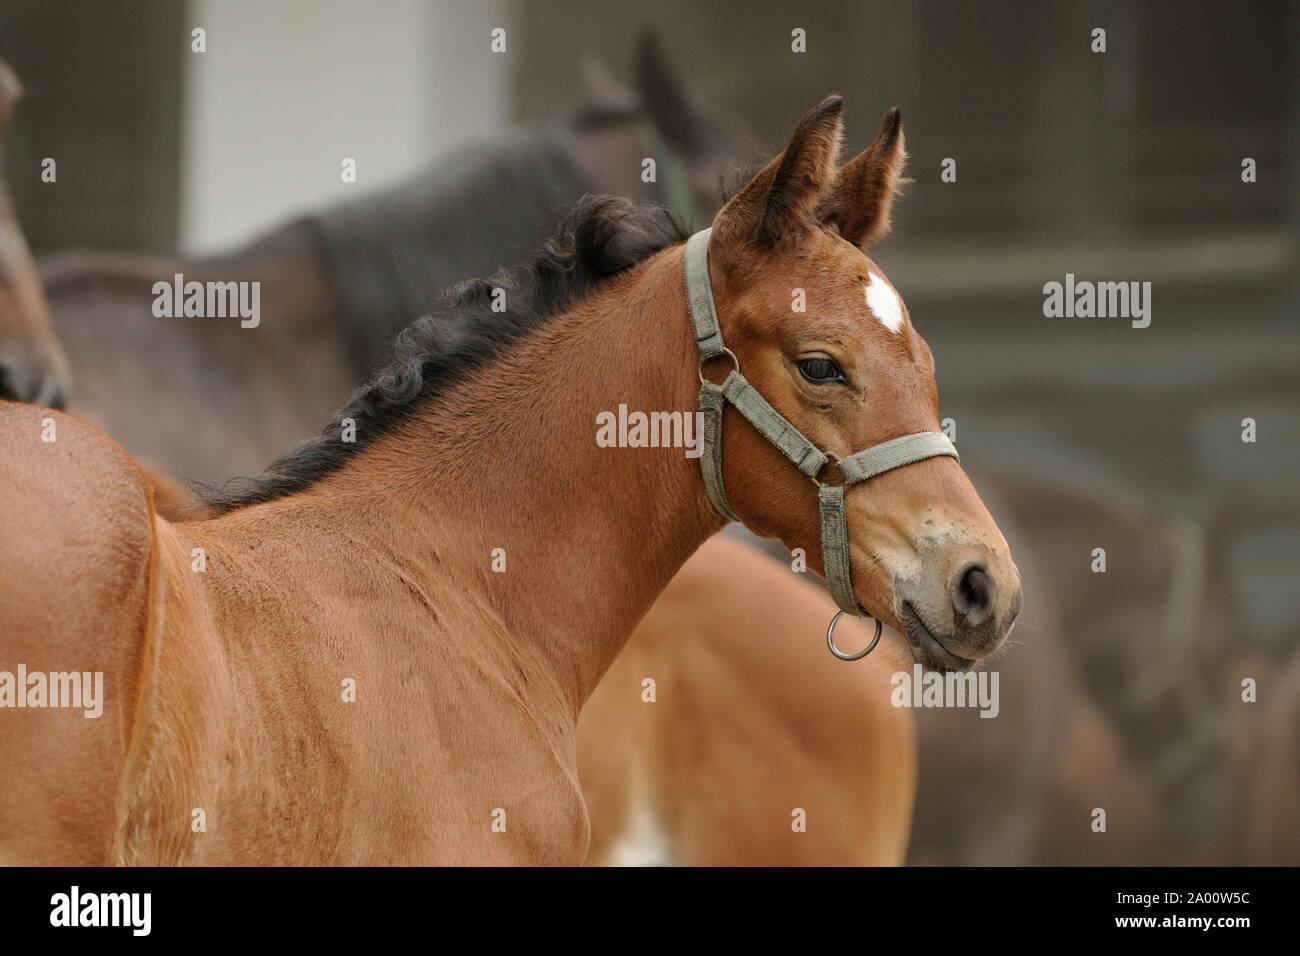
[[288, 89], [1049, 137]]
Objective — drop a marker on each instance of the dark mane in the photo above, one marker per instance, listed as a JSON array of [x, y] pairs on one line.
[[600, 237]]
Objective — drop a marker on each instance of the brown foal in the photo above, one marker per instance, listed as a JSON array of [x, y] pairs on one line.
[[378, 652]]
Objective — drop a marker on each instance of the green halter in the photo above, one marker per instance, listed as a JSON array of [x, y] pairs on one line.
[[791, 442]]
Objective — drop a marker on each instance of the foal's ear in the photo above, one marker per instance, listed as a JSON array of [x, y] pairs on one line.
[[858, 204], [782, 198]]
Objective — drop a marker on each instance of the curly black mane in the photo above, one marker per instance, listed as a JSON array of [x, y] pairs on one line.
[[600, 237]]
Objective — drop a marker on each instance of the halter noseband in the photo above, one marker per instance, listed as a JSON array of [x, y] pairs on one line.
[[791, 442]]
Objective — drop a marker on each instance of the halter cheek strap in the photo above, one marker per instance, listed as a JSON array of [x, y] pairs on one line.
[[794, 444]]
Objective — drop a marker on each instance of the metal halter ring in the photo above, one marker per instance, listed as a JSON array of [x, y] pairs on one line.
[[725, 351], [831, 459], [830, 639]]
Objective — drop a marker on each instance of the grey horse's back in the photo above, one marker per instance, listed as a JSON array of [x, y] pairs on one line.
[[480, 207]]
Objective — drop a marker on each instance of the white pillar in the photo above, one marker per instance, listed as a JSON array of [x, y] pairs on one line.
[[287, 90]]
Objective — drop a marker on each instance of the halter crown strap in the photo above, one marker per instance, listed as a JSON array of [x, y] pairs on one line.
[[699, 297], [791, 442]]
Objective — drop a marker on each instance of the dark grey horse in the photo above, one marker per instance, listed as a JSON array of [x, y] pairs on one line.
[[206, 399]]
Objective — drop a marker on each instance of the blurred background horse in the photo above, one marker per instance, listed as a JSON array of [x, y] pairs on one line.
[[33, 367]]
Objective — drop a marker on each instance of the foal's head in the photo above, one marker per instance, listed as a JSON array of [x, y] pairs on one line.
[[823, 335], [32, 364]]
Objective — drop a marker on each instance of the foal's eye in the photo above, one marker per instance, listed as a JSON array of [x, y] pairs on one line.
[[821, 371]]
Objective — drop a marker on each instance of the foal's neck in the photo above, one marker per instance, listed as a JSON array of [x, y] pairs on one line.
[[590, 535]]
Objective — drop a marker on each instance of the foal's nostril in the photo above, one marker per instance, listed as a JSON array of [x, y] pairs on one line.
[[973, 594]]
